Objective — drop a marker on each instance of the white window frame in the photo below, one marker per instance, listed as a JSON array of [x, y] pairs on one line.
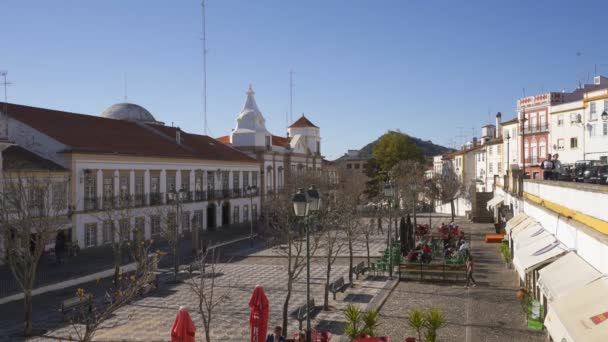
[[90, 234]]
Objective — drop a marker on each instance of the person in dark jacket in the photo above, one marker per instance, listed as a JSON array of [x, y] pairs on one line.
[[60, 247], [277, 336]]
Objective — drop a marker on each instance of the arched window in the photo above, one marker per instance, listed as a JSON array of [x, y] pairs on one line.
[[542, 146]]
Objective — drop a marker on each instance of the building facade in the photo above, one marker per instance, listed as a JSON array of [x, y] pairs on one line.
[[127, 162]]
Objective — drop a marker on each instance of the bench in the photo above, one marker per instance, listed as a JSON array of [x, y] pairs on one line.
[[305, 311], [190, 268], [442, 271], [149, 286], [75, 303], [360, 268], [337, 286]]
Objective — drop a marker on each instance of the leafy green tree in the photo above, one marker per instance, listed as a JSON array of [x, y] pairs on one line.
[[394, 147]]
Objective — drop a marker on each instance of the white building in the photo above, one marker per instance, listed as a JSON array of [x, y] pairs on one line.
[[126, 160], [595, 120], [567, 125], [277, 156]]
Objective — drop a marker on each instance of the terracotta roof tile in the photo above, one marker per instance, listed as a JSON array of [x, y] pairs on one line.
[[93, 134], [225, 139], [302, 122], [280, 141]]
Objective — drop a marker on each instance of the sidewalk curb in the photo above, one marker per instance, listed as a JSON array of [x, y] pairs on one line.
[[97, 275], [378, 302]]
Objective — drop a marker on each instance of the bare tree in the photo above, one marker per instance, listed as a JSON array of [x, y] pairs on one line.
[[166, 220], [29, 219], [91, 316], [289, 231], [409, 176], [117, 229], [367, 230], [449, 188], [209, 295], [347, 199]]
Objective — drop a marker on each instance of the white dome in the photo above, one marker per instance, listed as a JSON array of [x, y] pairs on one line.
[[129, 112]]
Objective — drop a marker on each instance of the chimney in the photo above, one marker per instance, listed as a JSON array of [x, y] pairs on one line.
[[474, 142], [178, 136], [498, 131]]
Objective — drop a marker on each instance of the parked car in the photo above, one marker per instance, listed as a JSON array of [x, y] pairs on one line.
[[567, 173], [596, 174], [580, 167]]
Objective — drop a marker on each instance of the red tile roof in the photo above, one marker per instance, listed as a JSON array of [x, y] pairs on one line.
[[280, 141], [225, 139], [204, 146], [93, 134], [302, 122]]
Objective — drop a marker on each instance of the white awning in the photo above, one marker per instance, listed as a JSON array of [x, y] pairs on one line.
[[566, 274], [528, 235], [515, 220], [576, 315], [525, 224], [536, 254], [494, 202]]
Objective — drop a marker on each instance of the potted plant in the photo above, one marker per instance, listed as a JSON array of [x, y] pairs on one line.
[[370, 323], [505, 252], [353, 316], [433, 321], [415, 319]]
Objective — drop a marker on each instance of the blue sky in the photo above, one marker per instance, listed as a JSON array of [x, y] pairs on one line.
[[430, 68]]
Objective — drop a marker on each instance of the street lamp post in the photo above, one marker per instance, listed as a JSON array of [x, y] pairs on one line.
[[177, 197], [388, 193], [251, 191], [305, 202]]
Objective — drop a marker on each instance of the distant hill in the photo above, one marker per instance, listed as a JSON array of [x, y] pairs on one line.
[[429, 149]]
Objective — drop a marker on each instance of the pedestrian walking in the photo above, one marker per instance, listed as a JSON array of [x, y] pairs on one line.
[[557, 167], [277, 336], [380, 231], [60, 247], [547, 167], [470, 269]]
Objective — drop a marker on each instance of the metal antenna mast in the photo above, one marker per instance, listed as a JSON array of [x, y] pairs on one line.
[[291, 95], [6, 84], [206, 127]]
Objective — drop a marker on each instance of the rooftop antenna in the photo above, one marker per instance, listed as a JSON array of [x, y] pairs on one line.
[[206, 127], [3, 74], [291, 72]]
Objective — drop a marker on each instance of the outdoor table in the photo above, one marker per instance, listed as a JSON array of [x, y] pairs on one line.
[[317, 336]]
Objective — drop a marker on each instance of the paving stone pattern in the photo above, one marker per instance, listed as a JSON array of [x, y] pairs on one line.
[[151, 318], [488, 312]]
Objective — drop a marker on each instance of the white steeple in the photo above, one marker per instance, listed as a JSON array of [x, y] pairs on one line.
[[250, 124]]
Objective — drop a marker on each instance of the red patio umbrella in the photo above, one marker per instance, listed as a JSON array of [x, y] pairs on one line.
[[183, 329], [258, 319]]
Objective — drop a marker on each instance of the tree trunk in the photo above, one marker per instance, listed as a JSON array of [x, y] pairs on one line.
[[286, 304], [350, 260], [27, 301], [327, 278], [367, 246], [175, 268], [208, 329], [452, 208], [117, 259], [414, 211], [430, 216]]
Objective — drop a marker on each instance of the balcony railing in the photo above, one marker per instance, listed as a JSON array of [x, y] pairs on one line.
[[156, 198], [534, 129], [534, 160], [91, 203]]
